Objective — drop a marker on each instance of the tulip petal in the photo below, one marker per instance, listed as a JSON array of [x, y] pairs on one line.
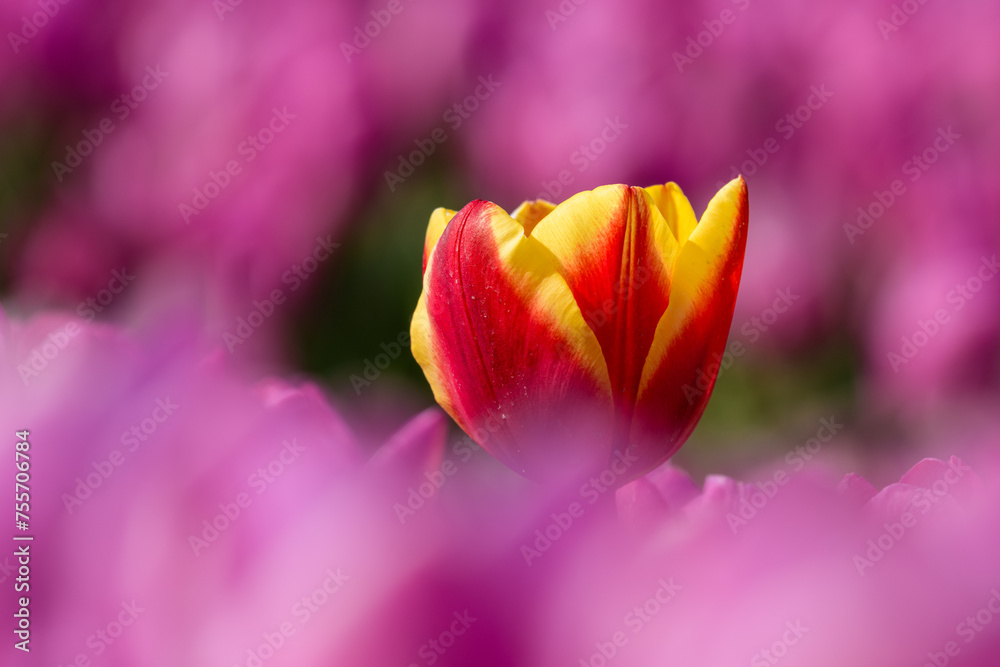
[[530, 213], [616, 252], [679, 372], [504, 345], [440, 218], [675, 209], [416, 447], [856, 488]]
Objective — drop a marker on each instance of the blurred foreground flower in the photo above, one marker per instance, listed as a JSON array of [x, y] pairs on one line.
[[602, 316], [190, 518]]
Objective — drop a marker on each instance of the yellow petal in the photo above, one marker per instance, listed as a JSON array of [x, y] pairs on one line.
[[440, 218], [616, 253], [530, 213], [681, 368], [675, 209]]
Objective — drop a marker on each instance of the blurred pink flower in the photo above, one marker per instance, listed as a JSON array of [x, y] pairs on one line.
[[146, 449], [934, 326], [707, 111], [182, 516], [233, 134], [225, 144]]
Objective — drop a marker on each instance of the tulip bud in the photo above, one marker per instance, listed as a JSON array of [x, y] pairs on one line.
[[565, 338]]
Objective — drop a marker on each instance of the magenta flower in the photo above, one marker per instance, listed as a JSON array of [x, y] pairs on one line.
[[214, 522]]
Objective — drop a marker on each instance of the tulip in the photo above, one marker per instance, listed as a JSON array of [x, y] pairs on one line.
[[605, 316]]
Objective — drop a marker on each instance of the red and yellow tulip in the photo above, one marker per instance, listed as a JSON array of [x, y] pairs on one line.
[[571, 336]]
